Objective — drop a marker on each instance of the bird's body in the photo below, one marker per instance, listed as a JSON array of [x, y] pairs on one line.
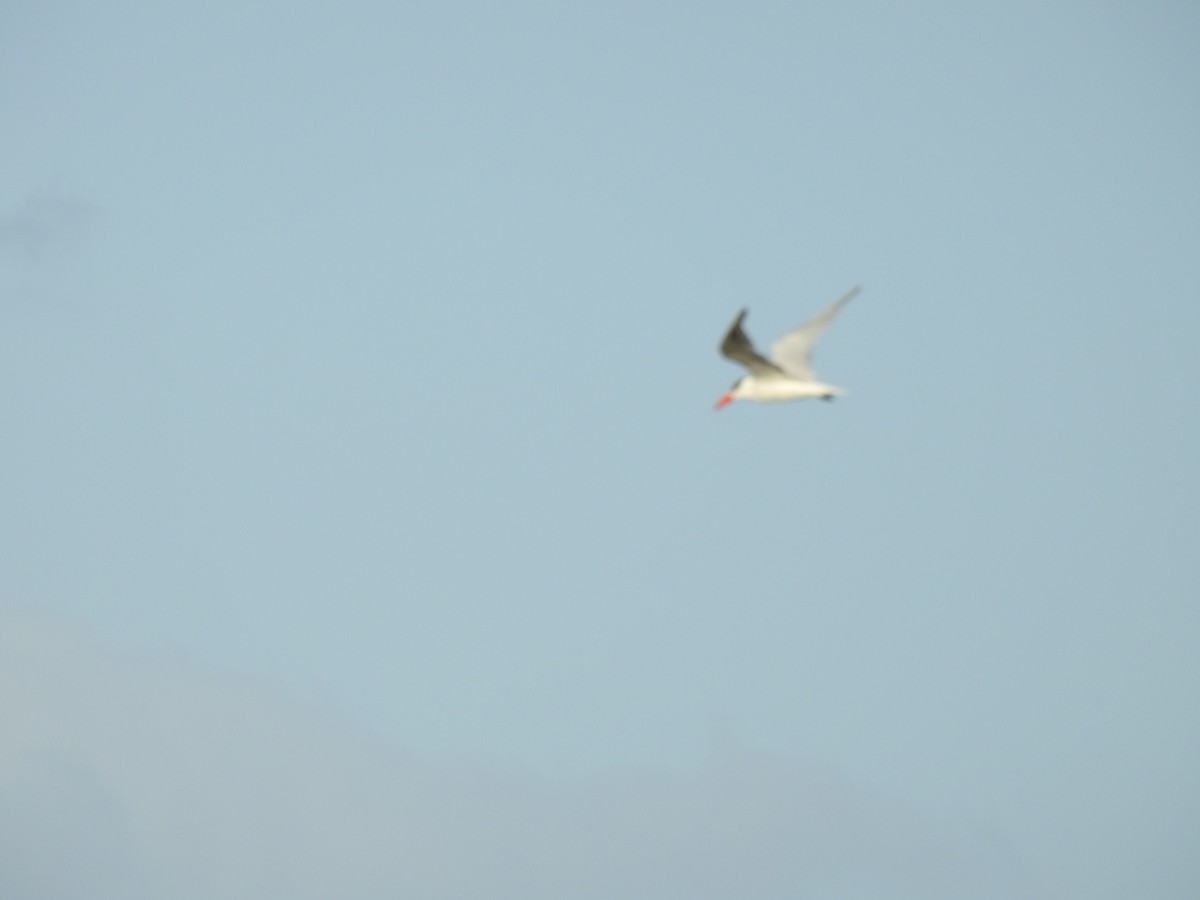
[[787, 375]]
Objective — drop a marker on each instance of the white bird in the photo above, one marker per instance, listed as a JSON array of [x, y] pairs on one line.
[[788, 374]]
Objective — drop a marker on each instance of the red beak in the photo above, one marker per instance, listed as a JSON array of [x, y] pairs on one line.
[[724, 401]]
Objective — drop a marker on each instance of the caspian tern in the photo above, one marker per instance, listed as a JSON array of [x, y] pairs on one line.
[[788, 374]]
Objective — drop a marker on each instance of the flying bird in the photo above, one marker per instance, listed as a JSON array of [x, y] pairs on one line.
[[788, 374]]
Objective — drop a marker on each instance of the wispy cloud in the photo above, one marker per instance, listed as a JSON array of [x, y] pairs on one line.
[[136, 778], [44, 226]]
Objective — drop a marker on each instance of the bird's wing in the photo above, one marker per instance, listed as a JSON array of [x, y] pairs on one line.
[[793, 352], [737, 347]]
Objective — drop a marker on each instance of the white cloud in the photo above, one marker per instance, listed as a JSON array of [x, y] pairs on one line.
[[136, 778]]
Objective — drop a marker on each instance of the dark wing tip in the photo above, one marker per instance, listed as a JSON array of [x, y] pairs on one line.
[[735, 338], [737, 348]]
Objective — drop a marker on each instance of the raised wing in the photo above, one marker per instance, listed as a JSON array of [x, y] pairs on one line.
[[793, 352], [736, 346]]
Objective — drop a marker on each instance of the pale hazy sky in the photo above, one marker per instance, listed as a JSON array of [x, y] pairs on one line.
[[367, 529]]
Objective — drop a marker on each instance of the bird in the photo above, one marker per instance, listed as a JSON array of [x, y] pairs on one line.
[[788, 374]]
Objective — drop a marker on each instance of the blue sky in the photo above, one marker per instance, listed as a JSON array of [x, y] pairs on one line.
[[358, 366]]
